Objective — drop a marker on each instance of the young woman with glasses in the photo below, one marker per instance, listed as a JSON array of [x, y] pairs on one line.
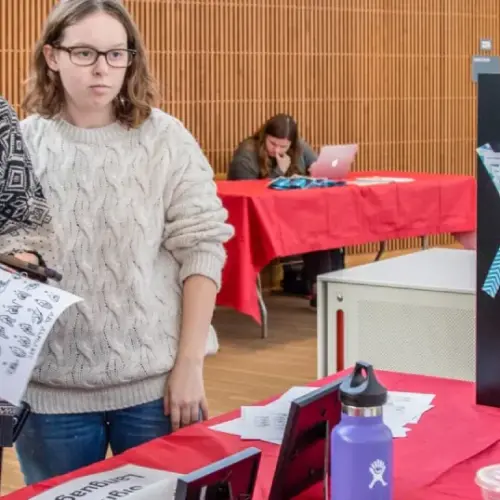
[[139, 234]]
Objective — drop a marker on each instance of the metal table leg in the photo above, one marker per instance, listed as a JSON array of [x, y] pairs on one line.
[[263, 309], [381, 250], [1, 460]]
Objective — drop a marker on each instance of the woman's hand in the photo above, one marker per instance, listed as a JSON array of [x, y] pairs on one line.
[[311, 166], [25, 257], [28, 257], [185, 400], [283, 162], [24, 263]]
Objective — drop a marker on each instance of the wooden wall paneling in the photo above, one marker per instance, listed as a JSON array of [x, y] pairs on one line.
[[391, 75]]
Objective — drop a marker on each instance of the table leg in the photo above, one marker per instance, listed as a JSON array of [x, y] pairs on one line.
[[1, 460], [263, 309], [381, 250]]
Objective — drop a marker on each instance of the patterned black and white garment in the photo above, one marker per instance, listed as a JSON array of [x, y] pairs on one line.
[[22, 203]]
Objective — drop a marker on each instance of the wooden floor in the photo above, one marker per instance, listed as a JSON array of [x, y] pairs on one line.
[[247, 368]]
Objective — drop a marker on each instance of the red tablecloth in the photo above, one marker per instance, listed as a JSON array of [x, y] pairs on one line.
[[271, 224], [438, 459]]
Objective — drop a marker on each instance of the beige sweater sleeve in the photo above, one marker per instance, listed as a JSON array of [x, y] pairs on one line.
[[196, 228]]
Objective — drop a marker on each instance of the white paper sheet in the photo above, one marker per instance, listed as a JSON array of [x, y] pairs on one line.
[[237, 426], [264, 423], [267, 423], [371, 181], [28, 311], [403, 408], [408, 402], [230, 427], [161, 490], [123, 482]]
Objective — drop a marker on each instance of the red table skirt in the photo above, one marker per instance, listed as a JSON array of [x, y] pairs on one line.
[[438, 460], [271, 224]]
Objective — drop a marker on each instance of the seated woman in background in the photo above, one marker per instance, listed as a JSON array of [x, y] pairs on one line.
[[275, 150]]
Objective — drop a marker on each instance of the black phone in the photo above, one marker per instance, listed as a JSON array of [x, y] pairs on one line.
[[32, 271]]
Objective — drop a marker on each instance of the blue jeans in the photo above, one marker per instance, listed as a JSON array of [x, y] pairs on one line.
[[51, 445]]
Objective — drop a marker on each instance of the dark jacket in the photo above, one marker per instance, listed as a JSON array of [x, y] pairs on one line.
[[22, 203], [245, 162]]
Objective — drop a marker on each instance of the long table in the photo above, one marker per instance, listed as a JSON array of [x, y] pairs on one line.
[[271, 224], [437, 461]]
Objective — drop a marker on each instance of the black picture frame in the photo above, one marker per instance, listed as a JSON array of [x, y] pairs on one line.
[[304, 458], [232, 478]]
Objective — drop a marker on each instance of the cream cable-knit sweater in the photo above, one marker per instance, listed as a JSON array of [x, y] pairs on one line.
[[135, 212]]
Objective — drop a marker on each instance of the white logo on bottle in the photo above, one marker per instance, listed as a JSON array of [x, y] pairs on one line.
[[377, 469]]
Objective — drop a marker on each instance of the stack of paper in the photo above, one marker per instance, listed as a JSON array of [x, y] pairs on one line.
[[264, 423], [403, 408], [267, 423], [374, 180]]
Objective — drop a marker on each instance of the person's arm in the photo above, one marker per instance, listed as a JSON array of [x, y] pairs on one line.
[[24, 213], [244, 166], [195, 220], [195, 233], [308, 154]]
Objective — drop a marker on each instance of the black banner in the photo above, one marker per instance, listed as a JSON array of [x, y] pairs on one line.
[[488, 242]]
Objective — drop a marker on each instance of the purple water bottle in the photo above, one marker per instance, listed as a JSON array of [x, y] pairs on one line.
[[361, 444]]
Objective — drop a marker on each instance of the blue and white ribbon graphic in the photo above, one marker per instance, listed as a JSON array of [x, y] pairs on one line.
[[492, 282], [491, 162]]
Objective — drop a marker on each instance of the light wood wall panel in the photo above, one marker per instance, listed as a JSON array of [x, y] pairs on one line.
[[391, 75]]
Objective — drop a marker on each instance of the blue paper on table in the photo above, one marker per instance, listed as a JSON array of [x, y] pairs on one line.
[[300, 182]]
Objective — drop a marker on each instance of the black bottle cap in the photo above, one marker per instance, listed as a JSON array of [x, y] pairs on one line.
[[361, 389]]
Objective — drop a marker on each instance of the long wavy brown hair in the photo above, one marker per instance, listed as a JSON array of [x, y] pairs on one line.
[[281, 126], [45, 93]]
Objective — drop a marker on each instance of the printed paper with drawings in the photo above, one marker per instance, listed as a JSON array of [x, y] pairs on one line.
[[28, 311]]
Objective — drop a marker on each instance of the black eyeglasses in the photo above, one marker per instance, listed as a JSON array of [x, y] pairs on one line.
[[87, 56]]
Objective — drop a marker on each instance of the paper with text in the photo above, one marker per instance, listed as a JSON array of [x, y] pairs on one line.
[[123, 482], [267, 423], [28, 311], [403, 408], [239, 425], [161, 490], [261, 422]]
